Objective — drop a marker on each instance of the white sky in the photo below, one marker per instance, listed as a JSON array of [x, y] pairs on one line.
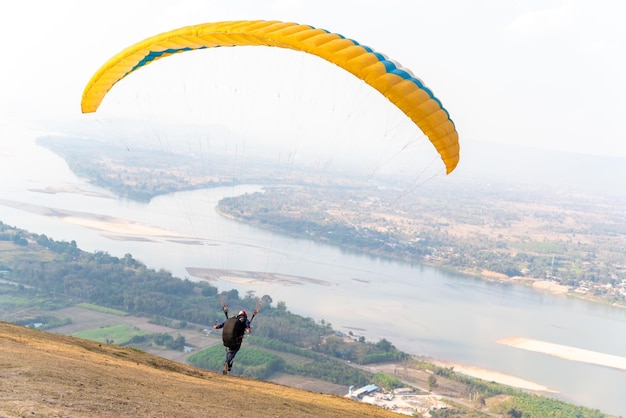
[[543, 73]]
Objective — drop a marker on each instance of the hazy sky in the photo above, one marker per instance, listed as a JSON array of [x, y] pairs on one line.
[[543, 73]]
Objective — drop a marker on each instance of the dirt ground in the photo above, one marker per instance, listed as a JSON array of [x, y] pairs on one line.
[[313, 385], [52, 375]]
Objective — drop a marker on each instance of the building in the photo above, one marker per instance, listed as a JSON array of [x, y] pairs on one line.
[[364, 391]]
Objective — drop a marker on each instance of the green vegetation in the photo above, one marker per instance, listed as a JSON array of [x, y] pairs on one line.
[[117, 334], [526, 405], [50, 274], [10, 302], [167, 322], [17, 297], [487, 233], [123, 285], [127, 335], [43, 322], [318, 364], [387, 382], [541, 247], [160, 339], [516, 230], [253, 362], [517, 401], [103, 309], [120, 286], [260, 363]]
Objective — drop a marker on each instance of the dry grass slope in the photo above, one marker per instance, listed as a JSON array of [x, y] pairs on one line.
[[46, 374]]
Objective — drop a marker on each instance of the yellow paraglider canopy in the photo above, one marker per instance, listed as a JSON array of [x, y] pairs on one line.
[[398, 84]]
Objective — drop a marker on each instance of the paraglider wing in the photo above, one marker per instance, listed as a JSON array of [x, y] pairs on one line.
[[398, 84]]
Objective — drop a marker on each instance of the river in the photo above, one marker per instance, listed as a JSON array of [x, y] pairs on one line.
[[421, 310]]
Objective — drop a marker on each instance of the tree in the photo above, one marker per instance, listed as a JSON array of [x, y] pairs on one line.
[[384, 345], [386, 382], [432, 383], [232, 294], [176, 344], [250, 295], [514, 413], [266, 300], [281, 306]]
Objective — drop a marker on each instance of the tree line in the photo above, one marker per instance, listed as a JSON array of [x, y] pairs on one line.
[[128, 285], [306, 213]]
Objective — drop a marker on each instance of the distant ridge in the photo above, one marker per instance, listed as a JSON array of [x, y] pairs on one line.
[[543, 168]]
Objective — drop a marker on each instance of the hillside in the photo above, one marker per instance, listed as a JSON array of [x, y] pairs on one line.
[[45, 374]]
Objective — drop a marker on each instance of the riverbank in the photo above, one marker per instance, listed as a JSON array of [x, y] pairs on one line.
[[492, 376], [130, 230], [566, 352], [589, 293], [126, 230], [541, 285], [470, 371]]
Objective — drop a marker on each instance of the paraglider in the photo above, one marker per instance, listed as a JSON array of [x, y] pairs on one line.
[[234, 329], [396, 83]]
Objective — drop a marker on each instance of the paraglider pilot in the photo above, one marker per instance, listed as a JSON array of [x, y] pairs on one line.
[[233, 330]]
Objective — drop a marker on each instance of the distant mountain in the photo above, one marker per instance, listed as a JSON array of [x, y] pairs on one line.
[[543, 168]]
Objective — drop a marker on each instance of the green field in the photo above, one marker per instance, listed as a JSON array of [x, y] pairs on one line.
[[541, 247], [118, 334], [103, 309]]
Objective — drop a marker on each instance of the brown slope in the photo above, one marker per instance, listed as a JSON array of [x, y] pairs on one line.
[[46, 374]]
